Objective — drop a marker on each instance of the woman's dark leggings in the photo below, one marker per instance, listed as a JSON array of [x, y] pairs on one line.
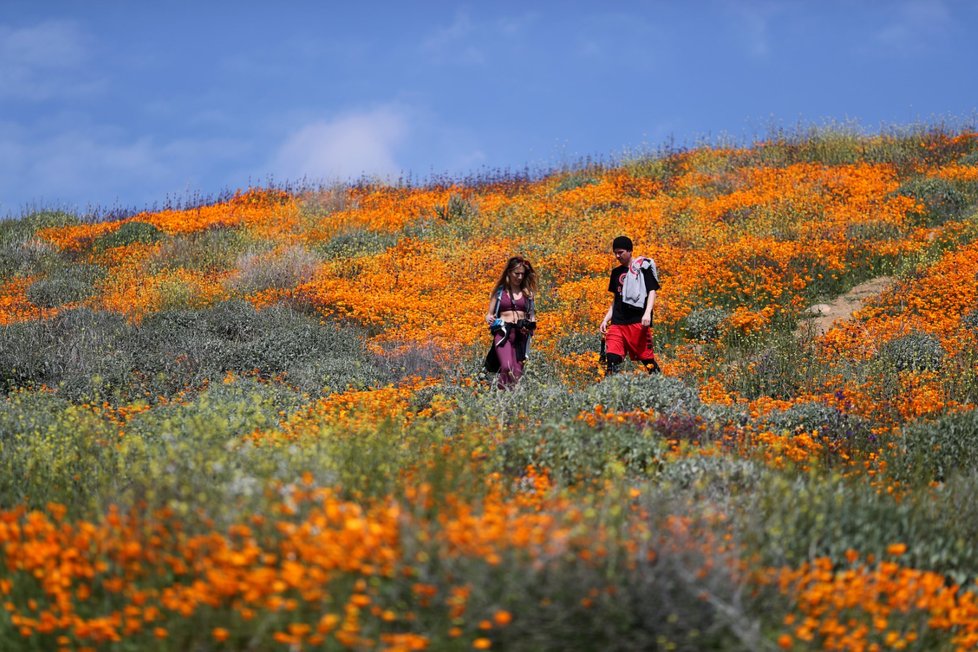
[[510, 368]]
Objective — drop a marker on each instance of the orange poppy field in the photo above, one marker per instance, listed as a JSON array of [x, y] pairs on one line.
[[260, 422]]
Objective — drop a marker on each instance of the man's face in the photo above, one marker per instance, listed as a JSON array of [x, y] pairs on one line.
[[624, 256]]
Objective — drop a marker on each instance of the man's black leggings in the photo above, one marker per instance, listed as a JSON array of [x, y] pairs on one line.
[[615, 361]]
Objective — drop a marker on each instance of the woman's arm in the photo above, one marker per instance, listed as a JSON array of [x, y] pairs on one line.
[[491, 315]]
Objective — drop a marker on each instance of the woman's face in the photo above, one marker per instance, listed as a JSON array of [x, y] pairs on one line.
[[517, 275]]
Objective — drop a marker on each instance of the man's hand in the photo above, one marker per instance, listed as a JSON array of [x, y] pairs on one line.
[[604, 326], [646, 320]]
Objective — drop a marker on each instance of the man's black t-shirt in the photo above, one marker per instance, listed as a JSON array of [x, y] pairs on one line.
[[625, 313]]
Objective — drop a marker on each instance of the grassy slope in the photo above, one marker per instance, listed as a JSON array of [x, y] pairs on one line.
[[308, 358]]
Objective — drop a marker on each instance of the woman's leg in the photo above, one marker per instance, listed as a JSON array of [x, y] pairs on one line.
[[510, 369]]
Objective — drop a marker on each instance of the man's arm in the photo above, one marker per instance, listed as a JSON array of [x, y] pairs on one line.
[[607, 319], [647, 317]]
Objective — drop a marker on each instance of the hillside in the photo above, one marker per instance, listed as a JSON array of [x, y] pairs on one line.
[[261, 423]]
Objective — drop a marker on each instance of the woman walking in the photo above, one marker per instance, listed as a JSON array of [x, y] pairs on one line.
[[512, 320]]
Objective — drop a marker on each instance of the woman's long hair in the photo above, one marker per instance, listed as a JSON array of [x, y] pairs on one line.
[[529, 283]]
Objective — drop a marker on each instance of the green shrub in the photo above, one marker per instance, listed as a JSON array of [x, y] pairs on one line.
[[936, 450], [969, 159], [576, 180], [85, 353], [325, 201], [579, 343], [779, 366], [714, 477], [25, 228], [28, 257], [287, 269], [788, 521], [358, 242], [705, 324], [214, 249], [847, 433], [458, 208], [178, 348], [914, 352], [942, 199], [51, 450], [127, 234], [970, 321], [873, 231], [576, 452], [67, 285], [81, 352], [627, 392], [662, 168]]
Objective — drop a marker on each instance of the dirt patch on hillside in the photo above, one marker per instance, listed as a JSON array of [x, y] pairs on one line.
[[822, 316]]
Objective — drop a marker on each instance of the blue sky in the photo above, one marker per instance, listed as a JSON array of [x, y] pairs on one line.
[[125, 104]]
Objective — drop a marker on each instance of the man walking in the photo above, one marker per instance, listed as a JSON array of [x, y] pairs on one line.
[[627, 325]]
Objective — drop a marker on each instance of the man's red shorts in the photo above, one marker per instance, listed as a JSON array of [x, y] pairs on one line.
[[633, 339]]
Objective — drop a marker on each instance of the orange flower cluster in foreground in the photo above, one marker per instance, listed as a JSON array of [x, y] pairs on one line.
[[321, 567], [851, 609]]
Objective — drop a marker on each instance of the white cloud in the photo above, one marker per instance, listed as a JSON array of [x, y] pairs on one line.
[[914, 26], [101, 167], [456, 43], [44, 61], [347, 147], [753, 24]]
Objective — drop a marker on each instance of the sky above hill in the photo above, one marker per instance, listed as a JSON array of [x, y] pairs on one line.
[[107, 105]]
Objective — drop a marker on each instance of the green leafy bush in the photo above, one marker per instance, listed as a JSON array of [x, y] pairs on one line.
[[54, 292], [791, 520], [705, 324], [942, 199], [970, 321], [848, 433], [913, 352], [358, 242], [68, 285], [28, 257], [936, 450], [873, 231], [85, 353], [579, 343], [189, 346], [258, 271], [627, 392], [779, 365], [127, 234], [457, 208], [51, 450], [577, 180], [25, 228], [81, 352], [969, 159], [214, 249]]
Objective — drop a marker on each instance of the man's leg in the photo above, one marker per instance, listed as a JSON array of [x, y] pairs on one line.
[[644, 352], [614, 349]]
